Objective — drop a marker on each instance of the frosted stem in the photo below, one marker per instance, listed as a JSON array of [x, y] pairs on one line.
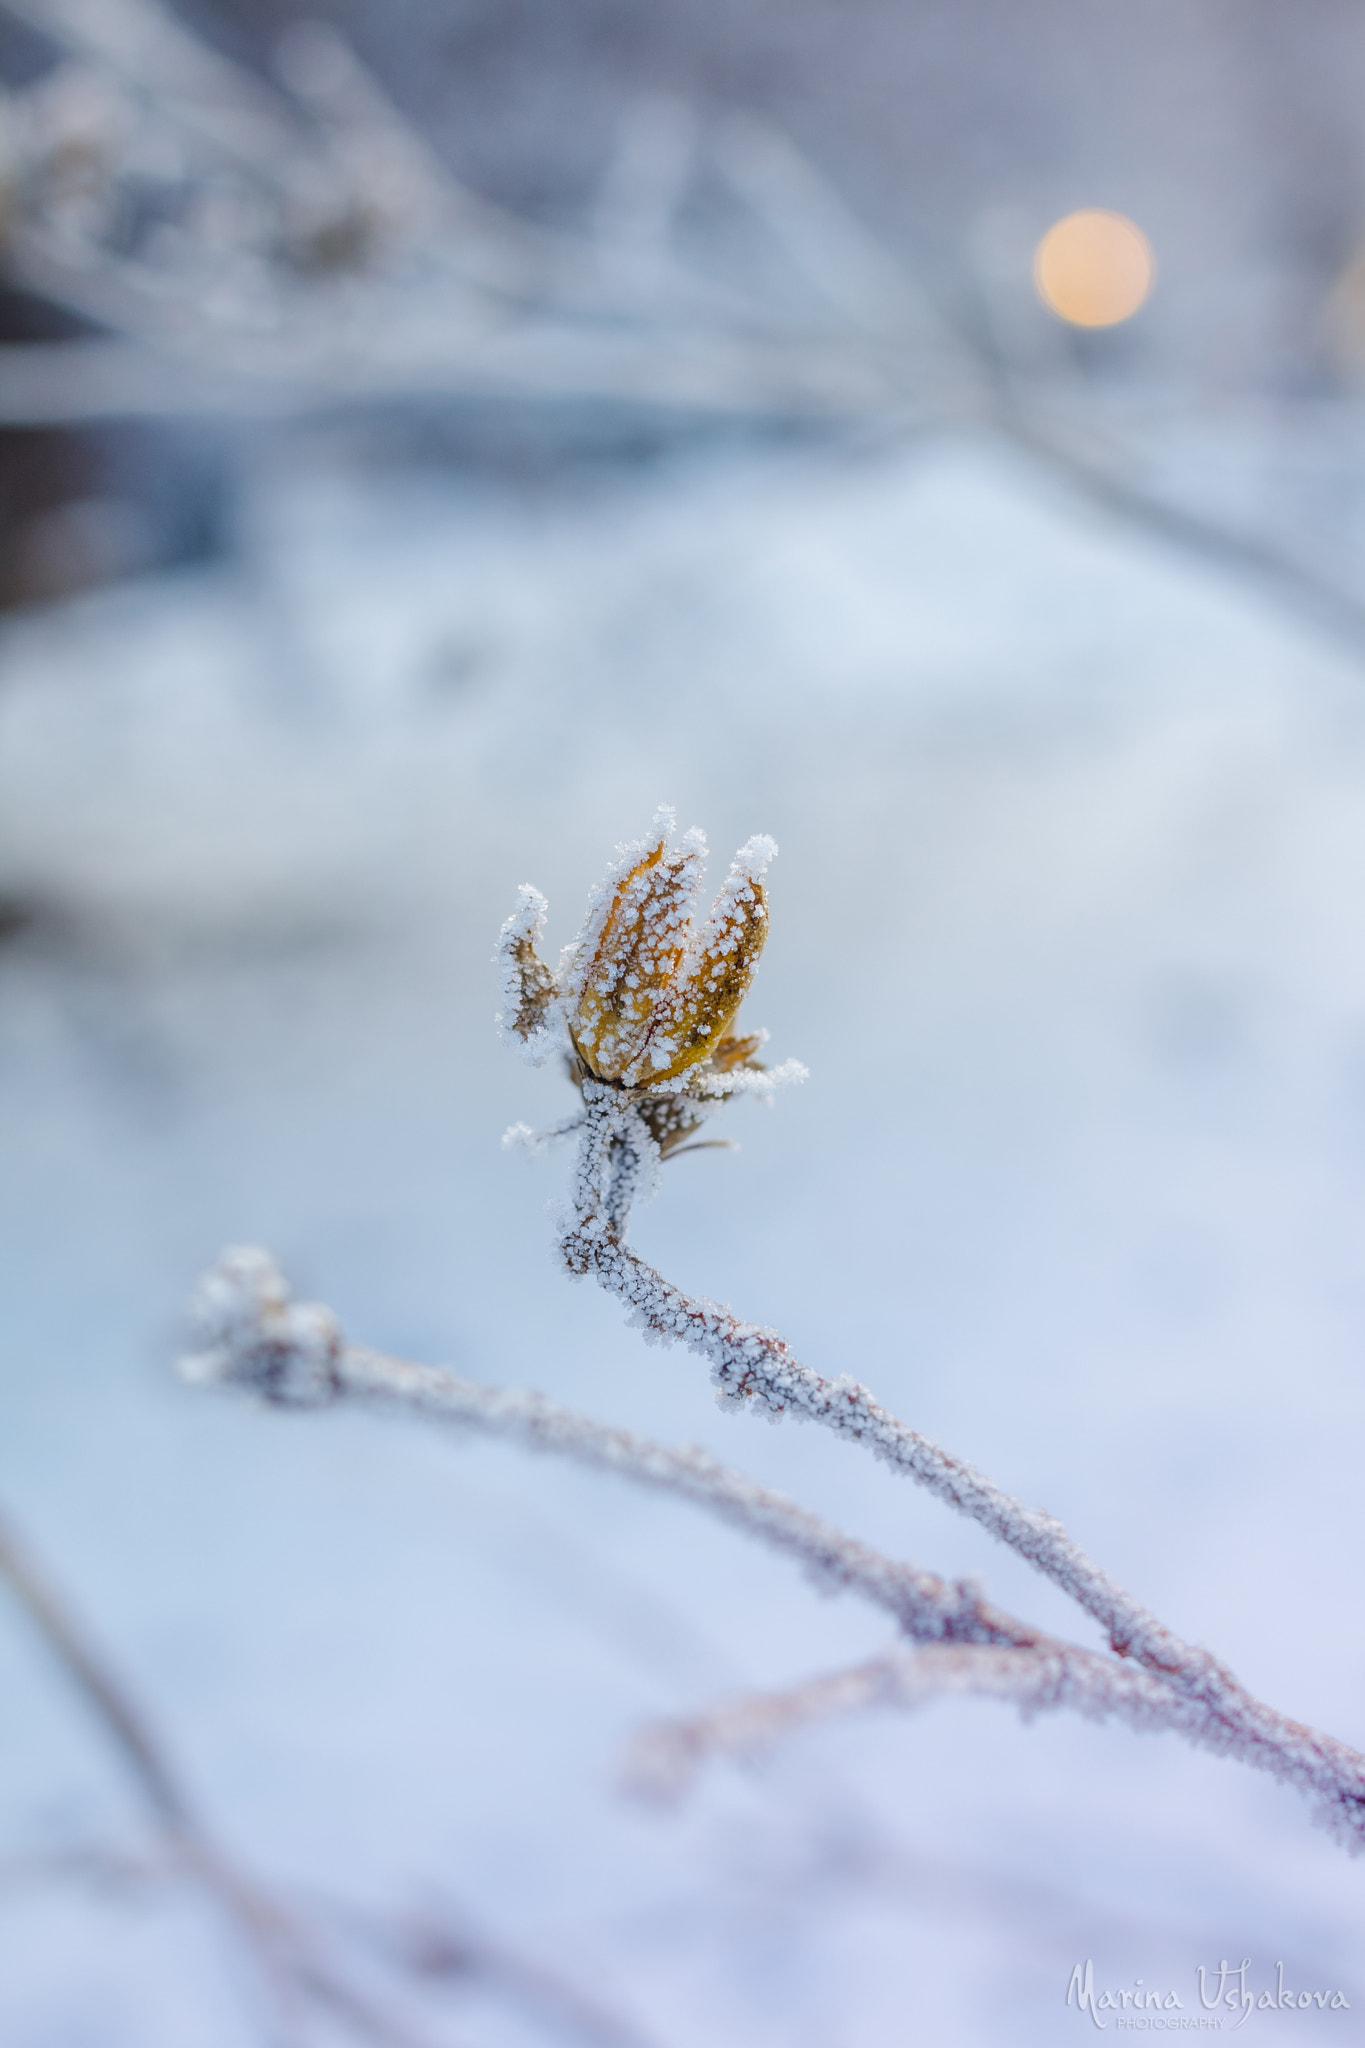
[[755, 1366], [294, 1353]]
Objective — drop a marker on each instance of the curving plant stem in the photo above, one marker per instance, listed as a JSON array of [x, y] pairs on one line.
[[254, 1337], [755, 1367]]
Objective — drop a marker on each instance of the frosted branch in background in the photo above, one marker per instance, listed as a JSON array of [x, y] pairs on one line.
[[1040, 1678], [260, 249], [304, 1966], [292, 1961]]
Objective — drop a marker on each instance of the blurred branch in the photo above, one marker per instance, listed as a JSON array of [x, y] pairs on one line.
[[260, 250], [1042, 1678], [104, 1693], [287, 1952], [276, 1943], [437, 1946], [1318, 599]]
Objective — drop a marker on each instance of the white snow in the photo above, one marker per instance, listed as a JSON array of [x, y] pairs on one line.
[[1068, 927]]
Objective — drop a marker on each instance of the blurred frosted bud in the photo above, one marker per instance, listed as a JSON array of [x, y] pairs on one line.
[[644, 993], [248, 1333]]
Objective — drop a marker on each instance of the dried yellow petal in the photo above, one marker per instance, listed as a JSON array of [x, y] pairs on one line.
[[633, 949], [700, 1005]]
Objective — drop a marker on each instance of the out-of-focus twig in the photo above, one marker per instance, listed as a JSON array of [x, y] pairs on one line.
[[437, 1945], [114, 1709], [283, 1951], [259, 250], [1292, 583], [293, 1959], [1042, 1678]]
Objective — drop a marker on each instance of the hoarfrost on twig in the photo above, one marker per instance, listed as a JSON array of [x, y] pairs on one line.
[[972, 1646], [641, 976], [753, 1367], [926, 1607]]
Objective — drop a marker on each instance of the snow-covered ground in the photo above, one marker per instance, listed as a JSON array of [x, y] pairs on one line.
[[1069, 926]]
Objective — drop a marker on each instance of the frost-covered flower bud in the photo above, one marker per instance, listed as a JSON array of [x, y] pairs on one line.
[[644, 993]]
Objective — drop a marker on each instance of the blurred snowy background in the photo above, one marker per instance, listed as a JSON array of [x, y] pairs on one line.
[[417, 464]]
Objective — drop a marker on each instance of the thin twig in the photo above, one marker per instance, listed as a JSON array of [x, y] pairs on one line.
[[280, 1945], [754, 1367], [1327, 604], [436, 1945], [1040, 1679], [104, 1692], [253, 1336]]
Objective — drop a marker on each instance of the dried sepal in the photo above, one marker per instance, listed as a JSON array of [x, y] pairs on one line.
[[529, 990], [737, 1052], [696, 1012], [671, 1120]]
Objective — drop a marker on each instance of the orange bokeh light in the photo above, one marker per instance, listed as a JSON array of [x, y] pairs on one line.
[[1094, 268]]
